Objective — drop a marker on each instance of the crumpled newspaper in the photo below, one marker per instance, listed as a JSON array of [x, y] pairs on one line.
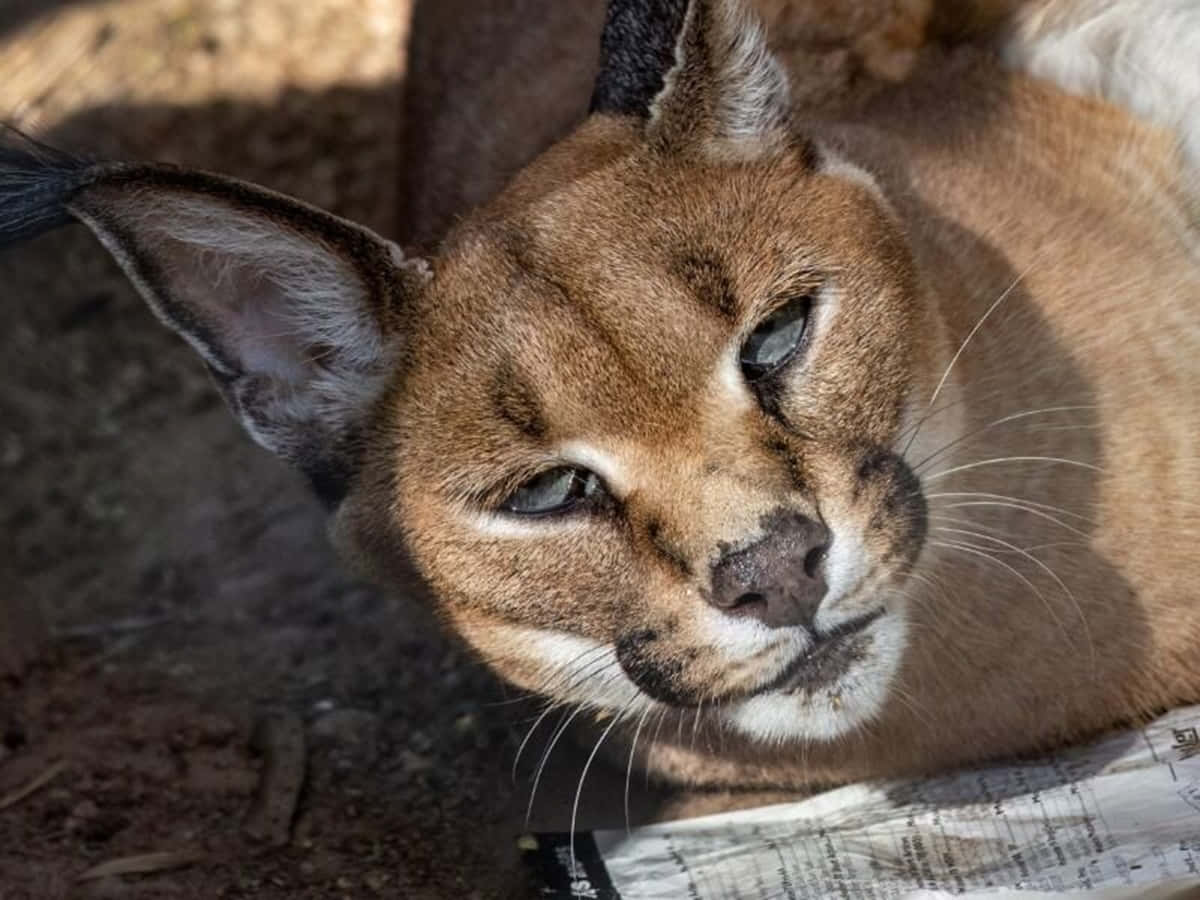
[[1115, 820]]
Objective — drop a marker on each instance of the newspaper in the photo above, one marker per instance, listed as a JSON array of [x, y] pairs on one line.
[[1113, 820]]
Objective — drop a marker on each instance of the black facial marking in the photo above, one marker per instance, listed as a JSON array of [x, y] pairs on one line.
[[517, 404], [874, 462], [637, 49], [902, 506], [654, 675], [706, 277], [829, 663], [771, 393], [330, 480]]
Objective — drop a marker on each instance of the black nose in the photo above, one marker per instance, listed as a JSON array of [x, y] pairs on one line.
[[780, 580]]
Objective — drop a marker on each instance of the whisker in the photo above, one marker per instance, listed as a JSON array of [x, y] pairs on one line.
[[1053, 575], [529, 734], [963, 346], [1023, 508], [913, 706], [959, 520], [662, 717], [971, 334], [1011, 459], [629, 767], [583, 777], [576, 666], [1027, 502], [963, 547], [537, 778], [996, 424], [905, 432]]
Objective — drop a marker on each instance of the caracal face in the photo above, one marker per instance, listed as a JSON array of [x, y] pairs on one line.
[[702, 393]]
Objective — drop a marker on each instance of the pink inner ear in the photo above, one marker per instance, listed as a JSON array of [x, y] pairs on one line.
[[247, 311], [276, 302], [283, 315]]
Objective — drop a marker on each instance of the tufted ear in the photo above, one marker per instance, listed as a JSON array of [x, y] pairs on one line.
[[698, 72], [298, 314]]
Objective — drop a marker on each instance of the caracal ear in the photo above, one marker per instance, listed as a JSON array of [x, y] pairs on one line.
[[698, 71], [299, 314]]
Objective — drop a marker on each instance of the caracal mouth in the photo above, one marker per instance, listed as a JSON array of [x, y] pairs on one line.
[[833, 688], [832, 655]]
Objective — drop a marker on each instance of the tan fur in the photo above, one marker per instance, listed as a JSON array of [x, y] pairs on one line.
[[1081, 213]]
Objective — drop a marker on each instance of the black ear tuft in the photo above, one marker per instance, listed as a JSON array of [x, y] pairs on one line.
[[36, 183], [637, 49]]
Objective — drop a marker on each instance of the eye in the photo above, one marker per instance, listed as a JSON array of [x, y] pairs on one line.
[[776, 339], [552, 491]]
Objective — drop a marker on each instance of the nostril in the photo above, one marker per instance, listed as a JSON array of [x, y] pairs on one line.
[[748, 601], [813, 560]]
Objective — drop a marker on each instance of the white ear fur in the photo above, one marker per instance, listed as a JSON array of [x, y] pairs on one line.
[[725, 72], [282, 306], [287, 305]]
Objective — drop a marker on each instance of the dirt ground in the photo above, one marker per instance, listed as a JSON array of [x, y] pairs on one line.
[[188, 589]]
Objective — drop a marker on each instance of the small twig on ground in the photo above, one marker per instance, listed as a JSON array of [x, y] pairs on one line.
[[114, 626], [280, 739], [142, 864], [32, 787]]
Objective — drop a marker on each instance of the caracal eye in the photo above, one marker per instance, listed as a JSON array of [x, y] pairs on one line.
[[776, 339], [552, 491]]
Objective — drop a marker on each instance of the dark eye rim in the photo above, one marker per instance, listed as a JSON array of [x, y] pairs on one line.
[[572, 504], [754, 373]]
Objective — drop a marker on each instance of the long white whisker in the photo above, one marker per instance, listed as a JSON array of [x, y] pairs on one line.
[[981, 552], [1045, 568], [971, 334], [629, 767], [996, 424], [1062, 511], [537, 778], [577, 666], [958, 353], [1011, 459], [1026, 509], [584, 671], [529, 734], [662, 717], [583, 776]]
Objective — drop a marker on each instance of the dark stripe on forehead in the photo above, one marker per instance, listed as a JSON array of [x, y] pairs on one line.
[[577, 301], [517, 403], [704, 273]]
